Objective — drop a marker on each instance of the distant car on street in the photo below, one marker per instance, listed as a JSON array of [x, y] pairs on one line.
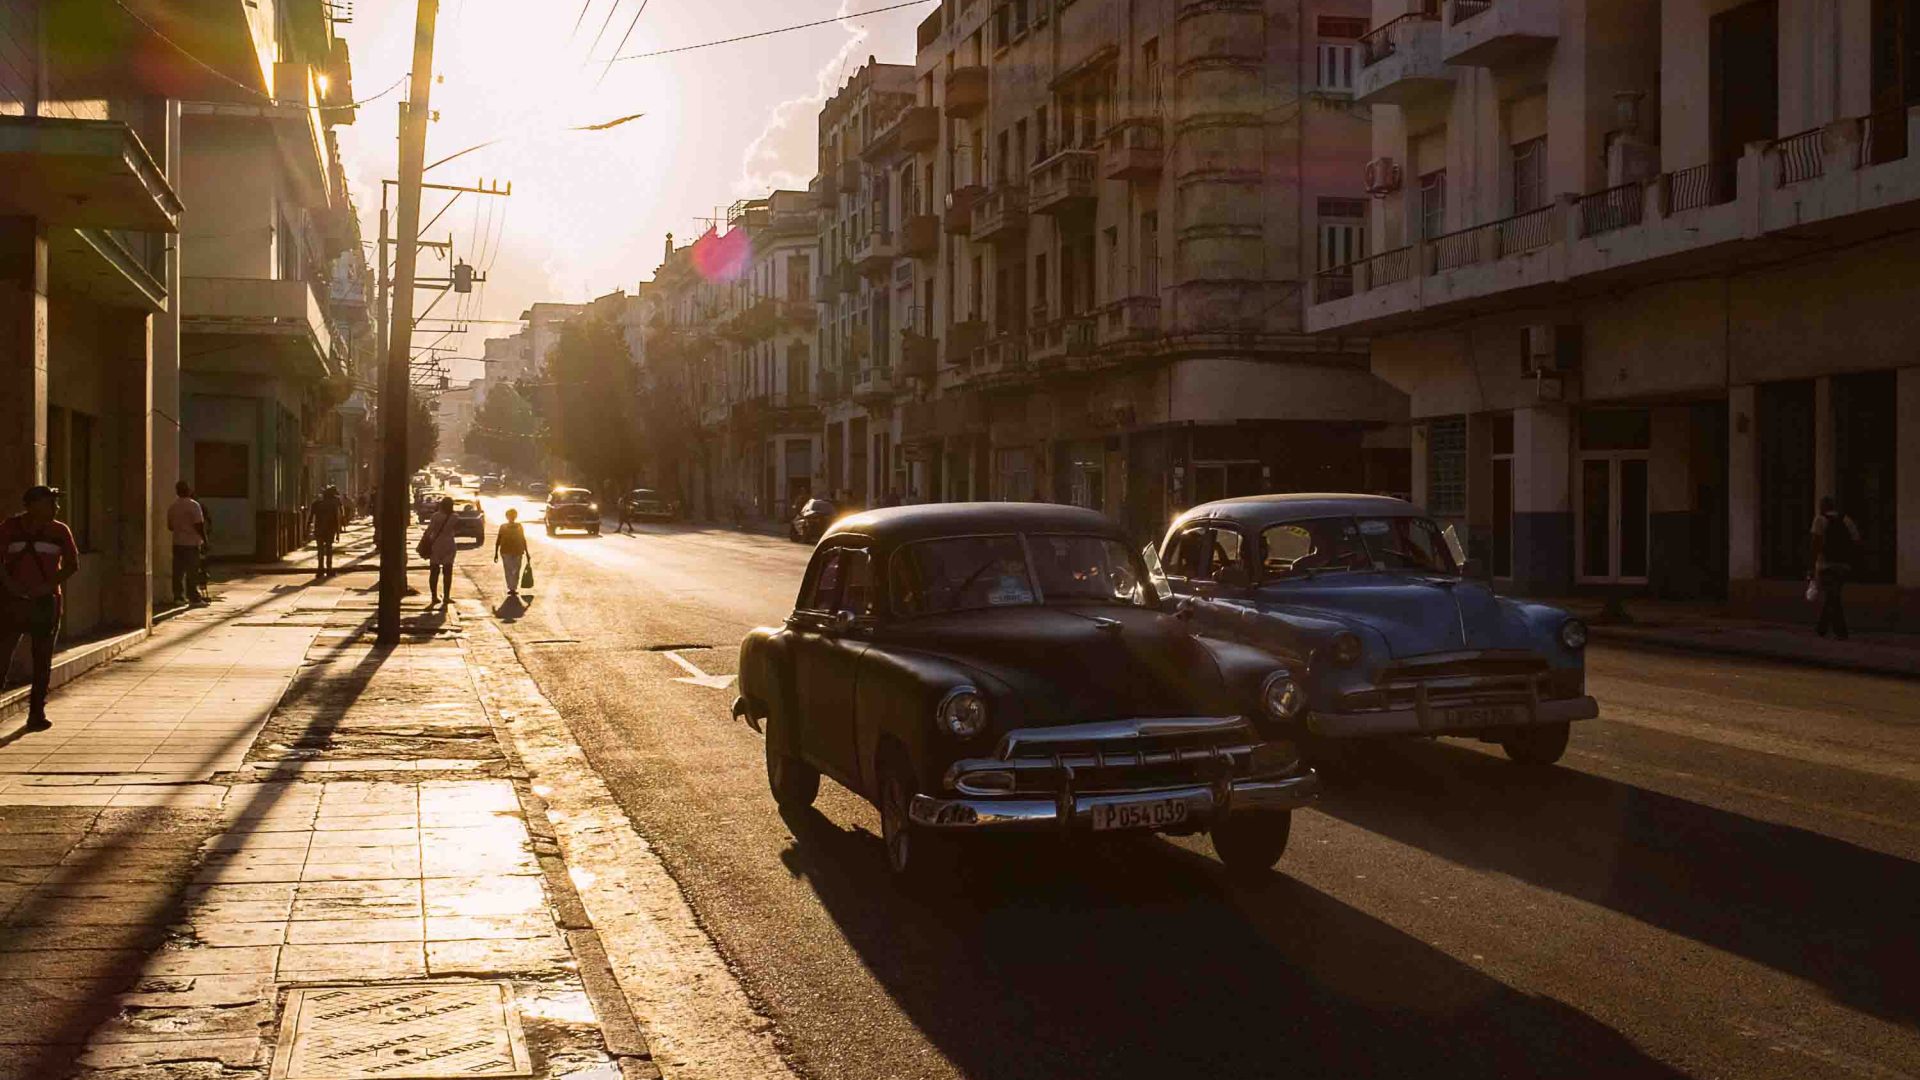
[[425, 501], [812, 521], [572, 508], [647, 504], [1006, 667], [538, 490], [1385, 625], [491, 485], [469, 519]]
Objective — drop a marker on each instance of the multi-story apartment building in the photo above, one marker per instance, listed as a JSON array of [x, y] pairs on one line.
[[1645, 269], [266, 219], [855, 253], [89, 348], [1102, 218]]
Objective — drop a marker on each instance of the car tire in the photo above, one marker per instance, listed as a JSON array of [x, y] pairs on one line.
[[794, 783], [552, 530], [918, 858], [1536, 745], [1250, 844], [593, 530]]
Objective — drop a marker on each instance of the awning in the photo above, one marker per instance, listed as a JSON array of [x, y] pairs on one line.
[[91, 174]]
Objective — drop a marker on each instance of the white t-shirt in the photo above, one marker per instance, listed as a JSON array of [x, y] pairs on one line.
[[183, 520]]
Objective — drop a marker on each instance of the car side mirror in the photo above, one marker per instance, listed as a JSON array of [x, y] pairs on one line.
[[1476, 569]]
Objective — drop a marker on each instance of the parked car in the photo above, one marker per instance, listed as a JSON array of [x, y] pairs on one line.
[[538, 490], [1000, 667], [572, 508], [469, 519], [424, 502], [1387, 627], [812, 521], [648, 504]]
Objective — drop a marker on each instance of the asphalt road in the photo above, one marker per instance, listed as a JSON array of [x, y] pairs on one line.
[[1722, 879]]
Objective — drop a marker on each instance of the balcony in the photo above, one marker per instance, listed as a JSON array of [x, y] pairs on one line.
[[920, 235], [828, 386], [966, 91], [874, 253], [847, 176], [800, 314], [1401, 60], [1844, 183], [1000, 215], [1060, 339], [960, 203], [1063, 183], [1490, 33], [286, 310], [919, 355], [92, 174], [791, 223], [775, 414], [1132, 318], [826, 193], [843, 280], [918, 128], [873, 385], [1136, 149], [964, 338], [1003, 355]]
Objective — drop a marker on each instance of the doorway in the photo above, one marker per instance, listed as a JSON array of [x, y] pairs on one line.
[[1612, 530]]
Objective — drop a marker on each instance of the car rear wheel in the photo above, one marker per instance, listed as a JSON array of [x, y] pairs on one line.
[[1250, 844], [918, 857], [1536, 745], [794, 783]]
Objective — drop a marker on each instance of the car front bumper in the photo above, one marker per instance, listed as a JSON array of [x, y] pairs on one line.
[[1460, 719], [1206, 804]]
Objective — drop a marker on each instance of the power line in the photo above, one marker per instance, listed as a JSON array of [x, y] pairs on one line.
[[604, 23], [769, 33], [631, 23]]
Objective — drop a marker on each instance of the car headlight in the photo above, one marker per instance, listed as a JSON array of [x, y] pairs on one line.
[[1346, 647], [1281, 696], [1573, 634], [962, 713], [593, 506]]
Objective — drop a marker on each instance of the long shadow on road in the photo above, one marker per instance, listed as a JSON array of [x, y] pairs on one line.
[[1137, 960], [1837, 915]]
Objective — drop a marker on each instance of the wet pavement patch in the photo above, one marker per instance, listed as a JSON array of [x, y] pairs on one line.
[[406, 1030]]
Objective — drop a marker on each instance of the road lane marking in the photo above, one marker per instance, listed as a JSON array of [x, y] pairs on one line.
[[695, 675]]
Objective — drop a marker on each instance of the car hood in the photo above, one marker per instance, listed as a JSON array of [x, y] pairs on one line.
[[1413, 613], [1073, 664]]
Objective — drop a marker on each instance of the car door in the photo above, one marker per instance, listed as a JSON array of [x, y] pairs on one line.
[[827, 651]]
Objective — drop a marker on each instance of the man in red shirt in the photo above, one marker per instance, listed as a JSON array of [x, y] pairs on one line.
[[37, 556]]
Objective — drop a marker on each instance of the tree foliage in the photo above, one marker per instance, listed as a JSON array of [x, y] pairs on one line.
[[590, 417], [506, 432], [423, 434]]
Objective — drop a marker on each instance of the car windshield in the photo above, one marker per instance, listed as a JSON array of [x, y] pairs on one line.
[[969, 572], [1320, 545], [466, 508], [571, 498]]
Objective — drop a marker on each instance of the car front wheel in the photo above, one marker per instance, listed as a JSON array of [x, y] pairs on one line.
[[1536, 745], [1250, 844], [918, 857], [794, 783]]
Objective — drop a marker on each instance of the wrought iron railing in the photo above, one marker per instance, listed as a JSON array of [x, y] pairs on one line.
[[1508, 236], [1467, 9], [1384, 40], [1800, 157], [1387, 267], [1710, 184], [1614, 208]]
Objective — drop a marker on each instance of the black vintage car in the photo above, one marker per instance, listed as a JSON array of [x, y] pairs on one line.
[[572, 508], [986, 667], [812, 520]]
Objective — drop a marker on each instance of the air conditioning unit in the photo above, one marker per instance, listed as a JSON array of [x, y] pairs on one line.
[[1546, 349], [1383, 177]]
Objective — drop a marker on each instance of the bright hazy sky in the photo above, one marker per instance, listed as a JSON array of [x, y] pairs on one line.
[[590, 210]]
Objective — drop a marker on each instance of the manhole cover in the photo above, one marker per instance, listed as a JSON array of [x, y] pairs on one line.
[[403, 1030]]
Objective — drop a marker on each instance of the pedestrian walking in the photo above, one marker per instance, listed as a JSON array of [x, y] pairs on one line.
[[326, 513], [37, 556], [626, 514], [187, 521], [438, 545], [510, 550], [1836, 544]]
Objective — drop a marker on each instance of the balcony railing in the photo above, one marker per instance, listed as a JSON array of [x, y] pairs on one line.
[[919, 235], [1333, 283], [1385, 40], [1135, 149], [256, 304], [1710, 184], [966, 91], [1130, 318], [1883, 137], [1467, 9], [1000, 214], [1484, 243], [1800, 157], [1062, 182], [1614, 208]]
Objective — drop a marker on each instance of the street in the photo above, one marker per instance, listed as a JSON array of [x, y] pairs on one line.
[[1718, 880]]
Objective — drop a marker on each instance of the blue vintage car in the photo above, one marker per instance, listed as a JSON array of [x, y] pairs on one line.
[[1387, 628]]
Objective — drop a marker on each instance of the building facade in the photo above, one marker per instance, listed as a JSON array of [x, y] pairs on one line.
[[1644, 269]]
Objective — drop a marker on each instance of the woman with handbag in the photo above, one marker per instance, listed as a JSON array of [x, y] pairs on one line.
[[438, 545], [510, 551]]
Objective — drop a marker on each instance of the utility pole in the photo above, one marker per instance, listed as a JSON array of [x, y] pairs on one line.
[[396, 411]]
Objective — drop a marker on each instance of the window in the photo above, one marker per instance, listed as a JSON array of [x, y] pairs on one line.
[[1530, 175], [1150, 254], [1191, 553], [1433, 204], [844, 582], [1343, 231], [1334, 66], [1150, 73], [1322, 545], [1447, 466], [1040, 135]]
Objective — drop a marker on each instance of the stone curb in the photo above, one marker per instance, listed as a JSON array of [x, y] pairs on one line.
[[1681, 642]]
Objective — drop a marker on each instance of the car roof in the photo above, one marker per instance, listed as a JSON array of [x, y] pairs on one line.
[[641, 491], [1261, 510], [904, 524], [565, 489]]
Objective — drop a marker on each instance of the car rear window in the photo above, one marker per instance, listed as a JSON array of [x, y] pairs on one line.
[[572, 498]]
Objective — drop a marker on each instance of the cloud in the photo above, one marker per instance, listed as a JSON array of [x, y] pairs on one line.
[[785, 153]]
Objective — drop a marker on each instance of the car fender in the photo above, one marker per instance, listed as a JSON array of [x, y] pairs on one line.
[[895, 696], [766, 688]]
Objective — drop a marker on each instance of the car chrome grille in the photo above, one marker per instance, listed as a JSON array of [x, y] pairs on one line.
[[1495, 678], [1127, 755]]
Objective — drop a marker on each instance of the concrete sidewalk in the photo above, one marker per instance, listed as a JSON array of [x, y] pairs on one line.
[[259, 844], [1707, 628]]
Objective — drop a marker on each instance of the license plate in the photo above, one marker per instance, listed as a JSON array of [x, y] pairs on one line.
[[1474, 716], [1157, 814]]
